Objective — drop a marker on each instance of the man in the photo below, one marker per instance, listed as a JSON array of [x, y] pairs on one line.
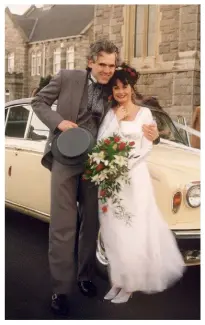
[[82, 101]]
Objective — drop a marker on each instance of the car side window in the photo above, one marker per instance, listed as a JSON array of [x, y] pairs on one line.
[[17, 121], [37, 130]]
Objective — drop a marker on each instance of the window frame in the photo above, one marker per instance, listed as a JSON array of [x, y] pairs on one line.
[[27, 123], [11, 58], [56, 53], [33, 65], [130, 35], [70, 50], [145, 38], [38, 63]]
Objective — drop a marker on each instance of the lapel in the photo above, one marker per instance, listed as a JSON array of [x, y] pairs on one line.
[[79, 84]]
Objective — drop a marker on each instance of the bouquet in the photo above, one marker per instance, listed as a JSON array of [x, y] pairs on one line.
[[107, 166]]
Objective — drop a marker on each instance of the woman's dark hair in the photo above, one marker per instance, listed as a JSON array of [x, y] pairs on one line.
[[128, 76]]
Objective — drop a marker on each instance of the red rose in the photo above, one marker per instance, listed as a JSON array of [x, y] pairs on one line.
[[104, 209], [102, 193], [116, 139], [100, 167], [128, 69], [132, 143], [107, 141], [132, 74], [121, 146]]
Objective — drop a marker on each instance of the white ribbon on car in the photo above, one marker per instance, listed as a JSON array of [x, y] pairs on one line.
[[188, 129]]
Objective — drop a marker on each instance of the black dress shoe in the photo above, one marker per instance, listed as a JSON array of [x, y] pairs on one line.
[[59, 304], [87, 288]]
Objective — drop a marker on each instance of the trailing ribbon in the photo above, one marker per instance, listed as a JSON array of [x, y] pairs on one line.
[[188, 129]]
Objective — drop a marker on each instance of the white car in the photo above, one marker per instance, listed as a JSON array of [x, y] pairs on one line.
[[174, 168]]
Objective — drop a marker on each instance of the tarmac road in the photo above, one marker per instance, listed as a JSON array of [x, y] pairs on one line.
[[27, 284]]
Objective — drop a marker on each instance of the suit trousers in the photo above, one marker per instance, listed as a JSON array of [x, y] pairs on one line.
[[66, 229]]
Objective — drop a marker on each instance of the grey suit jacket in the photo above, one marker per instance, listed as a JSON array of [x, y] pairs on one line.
[[67, 87]]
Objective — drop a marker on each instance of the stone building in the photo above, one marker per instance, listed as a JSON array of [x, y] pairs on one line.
[[42, 41], [161, 41]]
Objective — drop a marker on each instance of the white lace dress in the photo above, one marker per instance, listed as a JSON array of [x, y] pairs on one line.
[[141, 249]]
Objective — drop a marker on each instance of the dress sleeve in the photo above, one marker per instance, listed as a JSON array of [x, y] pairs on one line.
[[146, 145], [108, 126]]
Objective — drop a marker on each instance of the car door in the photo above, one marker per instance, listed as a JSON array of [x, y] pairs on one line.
[[17, 117], [27, 182]]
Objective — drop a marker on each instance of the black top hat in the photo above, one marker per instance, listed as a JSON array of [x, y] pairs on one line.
[[72, 146]]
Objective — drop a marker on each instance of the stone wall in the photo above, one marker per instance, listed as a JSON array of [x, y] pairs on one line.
[[173, 75], [81, 45], [15, 43], [108, 23]]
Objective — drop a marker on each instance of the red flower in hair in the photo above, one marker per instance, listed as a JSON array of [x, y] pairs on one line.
[[110, 98], [129, 70], [132, 74]]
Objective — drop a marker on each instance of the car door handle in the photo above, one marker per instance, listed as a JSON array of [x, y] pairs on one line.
[[10, 170]]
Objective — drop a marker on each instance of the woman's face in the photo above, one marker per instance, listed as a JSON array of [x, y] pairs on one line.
[[122, 93]]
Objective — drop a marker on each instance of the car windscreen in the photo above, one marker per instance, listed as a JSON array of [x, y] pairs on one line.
[[167, 129]]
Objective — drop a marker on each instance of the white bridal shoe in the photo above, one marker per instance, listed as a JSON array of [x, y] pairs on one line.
[[122, 297], [112, 293]]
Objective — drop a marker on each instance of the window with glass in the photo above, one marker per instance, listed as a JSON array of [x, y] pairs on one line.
[[38, 63], [16, 121], [33, 64], [11, 62], [166, 127], [56, 60], [146, 30], [37, 130], [70, 56]]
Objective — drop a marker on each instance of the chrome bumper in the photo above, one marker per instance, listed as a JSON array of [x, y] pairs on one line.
[[189, 244]]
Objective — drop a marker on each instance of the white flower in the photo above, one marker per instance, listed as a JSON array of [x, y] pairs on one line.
[[98, 156], [98, 178], [120, 160]]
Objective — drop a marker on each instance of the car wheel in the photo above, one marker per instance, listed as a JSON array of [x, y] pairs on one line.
[[101, 258]]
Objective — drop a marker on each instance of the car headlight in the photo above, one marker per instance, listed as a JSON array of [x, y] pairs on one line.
[[193, 194]]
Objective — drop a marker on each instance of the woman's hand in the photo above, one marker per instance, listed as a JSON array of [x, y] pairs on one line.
[[121, 113]]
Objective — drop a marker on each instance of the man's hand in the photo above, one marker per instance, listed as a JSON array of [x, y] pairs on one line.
[[150, 131], [65, 125]]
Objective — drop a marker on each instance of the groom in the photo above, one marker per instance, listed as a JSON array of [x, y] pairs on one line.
[[82, 101]]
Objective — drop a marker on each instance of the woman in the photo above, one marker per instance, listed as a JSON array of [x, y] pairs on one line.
[[141, 250]]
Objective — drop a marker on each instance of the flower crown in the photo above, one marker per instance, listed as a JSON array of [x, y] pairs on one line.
[[129, 70]]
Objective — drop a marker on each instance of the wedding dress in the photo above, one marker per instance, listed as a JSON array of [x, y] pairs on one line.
[[142, 252]]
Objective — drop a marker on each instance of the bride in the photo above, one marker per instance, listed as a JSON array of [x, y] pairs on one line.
[[141, 250]]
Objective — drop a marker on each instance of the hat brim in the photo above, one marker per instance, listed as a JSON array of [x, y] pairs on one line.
[[72, 147]]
